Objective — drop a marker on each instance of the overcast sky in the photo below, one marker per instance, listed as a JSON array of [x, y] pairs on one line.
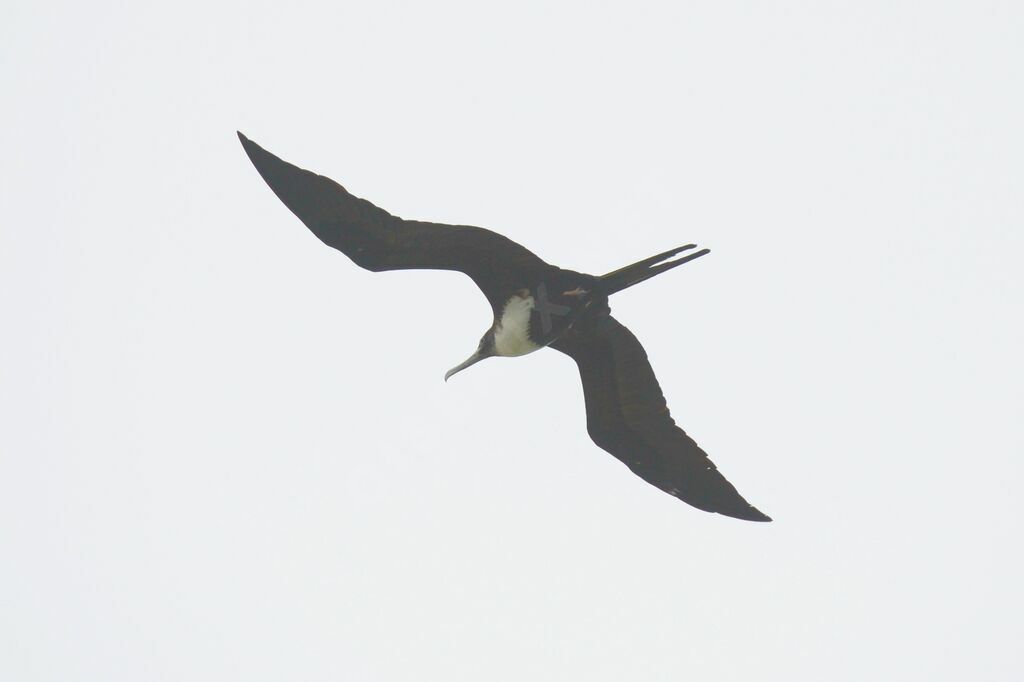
[[227, 453]]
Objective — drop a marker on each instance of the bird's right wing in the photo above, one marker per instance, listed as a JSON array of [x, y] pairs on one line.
[[376, 240], [628, 417]]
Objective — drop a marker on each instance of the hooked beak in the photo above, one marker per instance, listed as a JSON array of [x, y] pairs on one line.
[[471, 360]]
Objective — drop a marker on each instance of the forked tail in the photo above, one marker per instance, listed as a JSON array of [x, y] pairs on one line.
[[645, 269]]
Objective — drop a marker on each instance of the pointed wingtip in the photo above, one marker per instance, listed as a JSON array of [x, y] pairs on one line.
[[739, 509], [247, 144], [260, 157], [752, 514]]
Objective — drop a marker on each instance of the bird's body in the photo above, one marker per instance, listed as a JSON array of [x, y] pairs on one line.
[[530, 319], [535, 305]]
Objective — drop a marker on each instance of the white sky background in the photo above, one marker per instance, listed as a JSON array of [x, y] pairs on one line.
[[228, 453]]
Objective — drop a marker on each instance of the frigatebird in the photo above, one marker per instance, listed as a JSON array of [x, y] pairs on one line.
[[535, 304]]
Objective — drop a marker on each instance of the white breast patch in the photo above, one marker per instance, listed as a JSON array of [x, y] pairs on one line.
[[512, 335]]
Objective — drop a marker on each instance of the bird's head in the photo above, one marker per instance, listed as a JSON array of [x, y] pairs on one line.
[[483, 351]]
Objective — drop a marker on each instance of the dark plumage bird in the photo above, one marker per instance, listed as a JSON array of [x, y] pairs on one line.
[[535, 305]]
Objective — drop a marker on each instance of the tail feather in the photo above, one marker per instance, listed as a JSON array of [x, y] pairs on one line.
[[649, 267]]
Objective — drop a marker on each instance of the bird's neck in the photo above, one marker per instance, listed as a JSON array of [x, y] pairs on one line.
[[512, 329]]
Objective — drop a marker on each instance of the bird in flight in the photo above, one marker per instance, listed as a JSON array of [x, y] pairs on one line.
[[535, 304]]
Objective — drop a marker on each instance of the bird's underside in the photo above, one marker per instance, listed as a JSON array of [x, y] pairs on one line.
[[626, 411]]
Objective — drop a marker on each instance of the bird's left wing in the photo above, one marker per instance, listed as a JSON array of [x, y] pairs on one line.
[[376, 240], [628, 417]]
